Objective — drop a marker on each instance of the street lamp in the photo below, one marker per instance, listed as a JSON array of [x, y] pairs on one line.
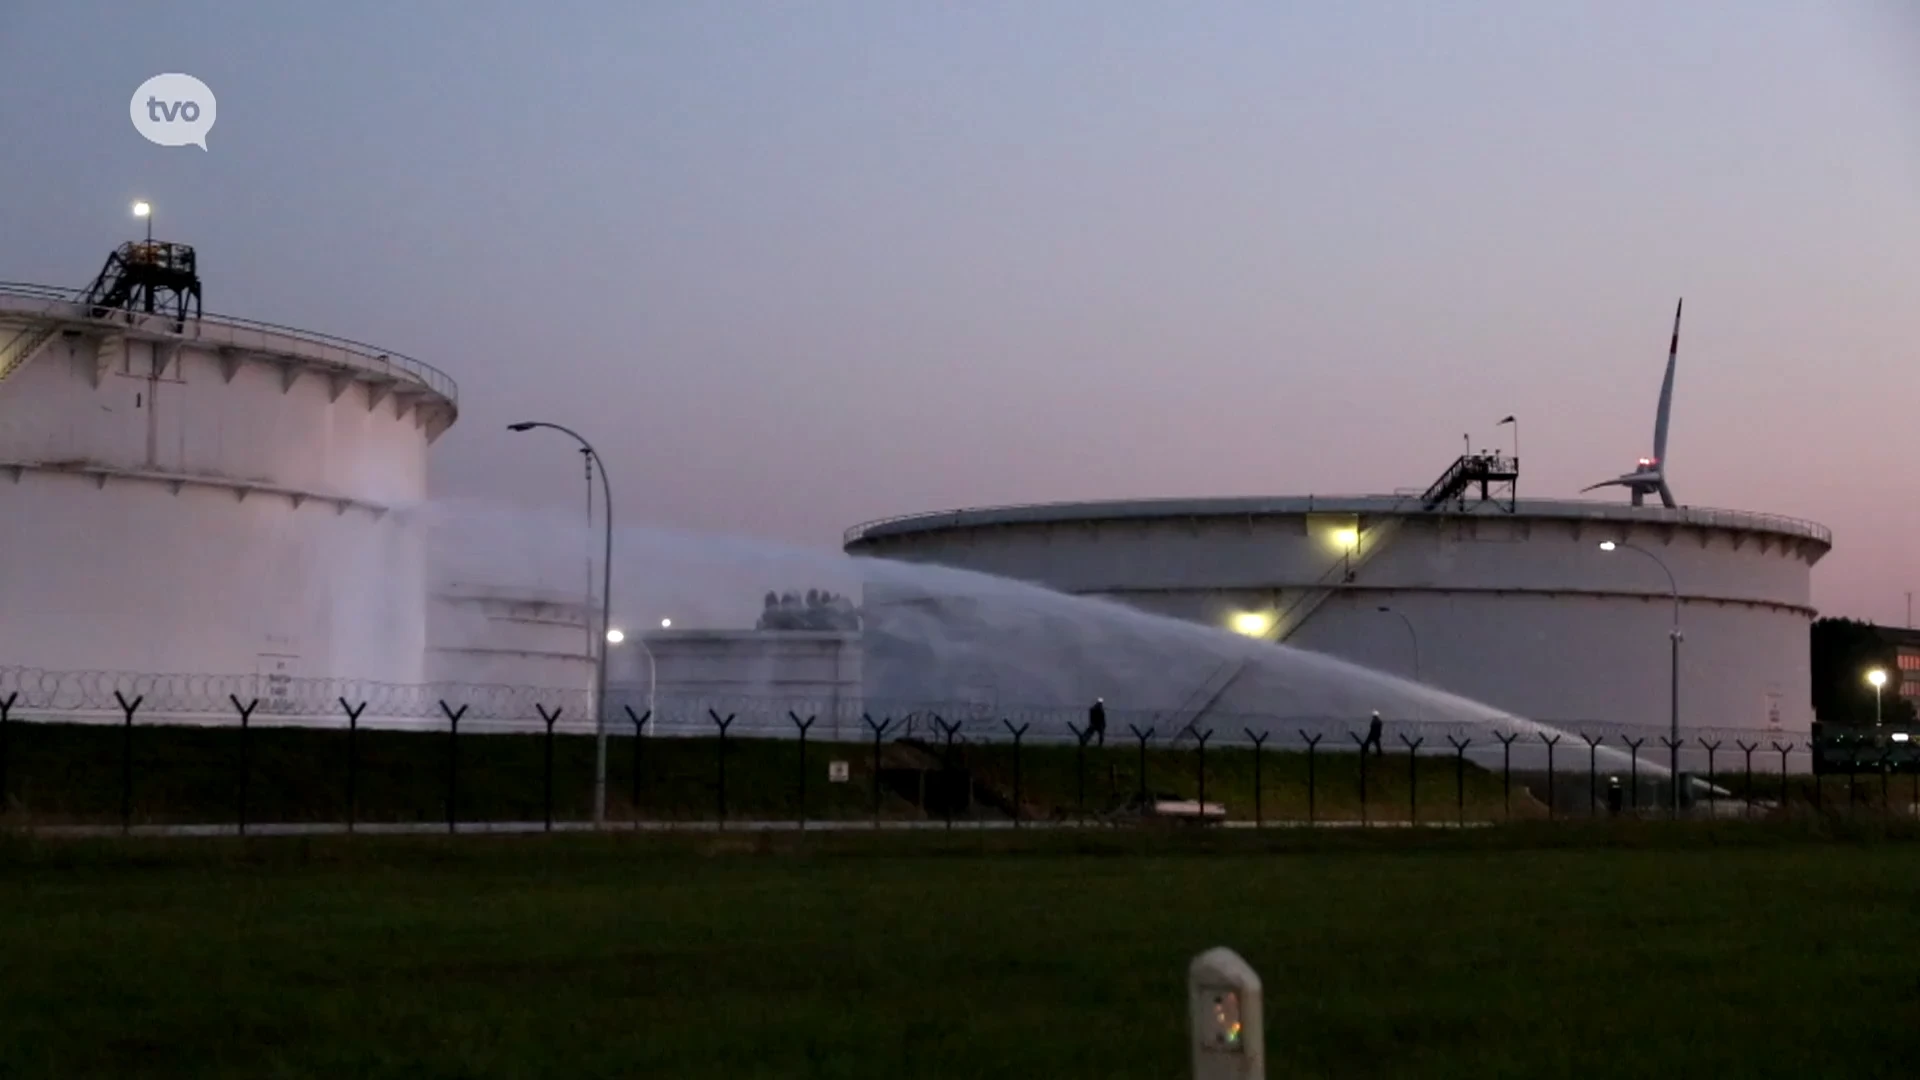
[[615, 637], [1402, 616], [606, 620], [144, 209], [1673, 677], [1877, 678]]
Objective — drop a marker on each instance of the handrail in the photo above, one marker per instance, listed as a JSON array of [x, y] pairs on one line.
[[1590, 510], [364, 355]]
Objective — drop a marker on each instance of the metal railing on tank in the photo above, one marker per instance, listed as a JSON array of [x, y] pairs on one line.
[[1307, 504], [23, 298]]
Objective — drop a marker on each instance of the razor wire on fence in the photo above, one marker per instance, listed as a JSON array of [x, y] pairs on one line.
[[277, 700], [1571, 768]]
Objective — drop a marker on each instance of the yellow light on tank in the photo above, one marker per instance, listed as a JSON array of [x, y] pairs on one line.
[[1252, 623], [1346, 539]]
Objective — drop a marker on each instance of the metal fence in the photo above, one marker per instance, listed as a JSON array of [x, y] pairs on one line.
[[1564, 768]]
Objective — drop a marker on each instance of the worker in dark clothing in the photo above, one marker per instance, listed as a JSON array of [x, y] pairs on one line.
[[1373, 737], [1097, 721]]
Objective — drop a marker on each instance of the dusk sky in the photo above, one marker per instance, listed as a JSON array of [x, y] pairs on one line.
[[795, 266]]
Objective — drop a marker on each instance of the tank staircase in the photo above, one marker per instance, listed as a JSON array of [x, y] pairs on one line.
[[1486, 469], [1290, 618], [31, 340]]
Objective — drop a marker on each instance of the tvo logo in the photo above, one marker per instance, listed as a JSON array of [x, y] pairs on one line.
[[173, 110]]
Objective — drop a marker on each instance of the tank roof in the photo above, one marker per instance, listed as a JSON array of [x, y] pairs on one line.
[[1267, 505]]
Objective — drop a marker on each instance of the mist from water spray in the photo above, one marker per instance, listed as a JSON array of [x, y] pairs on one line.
[[972, 642]]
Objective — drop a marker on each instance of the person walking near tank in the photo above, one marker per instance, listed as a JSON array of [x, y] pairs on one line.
[[1373, 737]]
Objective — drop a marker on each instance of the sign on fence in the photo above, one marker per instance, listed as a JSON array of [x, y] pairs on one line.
[[837, 772]]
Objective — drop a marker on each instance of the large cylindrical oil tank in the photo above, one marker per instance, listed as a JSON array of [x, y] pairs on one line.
[[209, 496], [1514, 605]]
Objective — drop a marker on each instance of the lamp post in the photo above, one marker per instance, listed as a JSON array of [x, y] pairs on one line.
[[1411, 633], [1877, 678], [1673, 677], [606, 621], [652, 675], [144, 209]]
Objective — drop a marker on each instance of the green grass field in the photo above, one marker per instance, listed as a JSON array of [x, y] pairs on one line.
[[1574, 950]]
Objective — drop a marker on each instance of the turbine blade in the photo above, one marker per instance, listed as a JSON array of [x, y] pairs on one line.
[[1666, 393]]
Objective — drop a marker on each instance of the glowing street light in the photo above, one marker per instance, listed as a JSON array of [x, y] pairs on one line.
[[666, 624], [1252, 623], [615, 636], [144, 209], [1876, 678]]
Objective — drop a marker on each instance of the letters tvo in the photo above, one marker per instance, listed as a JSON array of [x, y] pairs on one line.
[[168, 111]]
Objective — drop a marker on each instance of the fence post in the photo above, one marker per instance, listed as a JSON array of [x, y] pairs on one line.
[[128, 708], [1673, 774], [1018, 806], [1312, 743], [1200, 739], [1460, 776], [547, 792], [639, 741], [453, 762], [353, 760], [1143, 736], [946, 763], [1259, 821], [1710, 748], [879, 730], [803, 725], [6, 709], [1506, 771], [1413, 778], [1363, 777], [1784, 750], [1633, 793], [1551, 743], [246, 714], [1080, 771], [721, 793], [1748, 750], [1886, 801], [1593, 773]]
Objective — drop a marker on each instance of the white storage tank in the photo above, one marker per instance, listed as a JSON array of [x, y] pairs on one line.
[[201, 494], [1513, 604]]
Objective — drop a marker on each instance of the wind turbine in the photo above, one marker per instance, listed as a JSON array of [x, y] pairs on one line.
[[1650, 478]]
